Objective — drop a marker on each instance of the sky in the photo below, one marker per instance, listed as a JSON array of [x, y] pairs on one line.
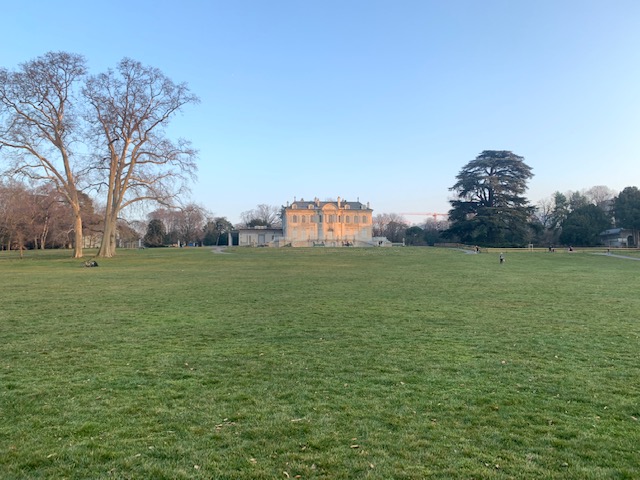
[[381, 101]]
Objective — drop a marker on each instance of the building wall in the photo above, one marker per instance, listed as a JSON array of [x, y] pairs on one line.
[[256, 237], [618, 237], [332, 224]]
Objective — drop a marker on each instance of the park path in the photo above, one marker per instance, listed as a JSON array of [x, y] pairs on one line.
[[617, 256]]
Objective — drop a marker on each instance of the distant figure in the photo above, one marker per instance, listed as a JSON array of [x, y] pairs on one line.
[[502, 258], [570, 248], [477, 249]]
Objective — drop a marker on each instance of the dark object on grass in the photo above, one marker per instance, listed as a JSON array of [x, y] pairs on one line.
[[91, 263]]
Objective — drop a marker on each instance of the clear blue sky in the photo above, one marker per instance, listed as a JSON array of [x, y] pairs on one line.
[[384, 101]]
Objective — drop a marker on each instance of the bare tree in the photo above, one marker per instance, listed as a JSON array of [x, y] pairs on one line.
[[130, 108], [41, 214], [19, 216], [600, 195], [263, 215], [8, 192], [190, 223], [138, 226], [182, 225], [49, 208], [39, 124], [170, 223], [545, 211], [128, 236], [390, 225]]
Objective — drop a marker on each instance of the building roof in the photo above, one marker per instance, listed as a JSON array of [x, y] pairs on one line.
[[259, 228], [318, 204], [615, 231]]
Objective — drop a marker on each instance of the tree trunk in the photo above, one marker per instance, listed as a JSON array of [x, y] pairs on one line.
[[43, 234], [77, 233], [108, 244]]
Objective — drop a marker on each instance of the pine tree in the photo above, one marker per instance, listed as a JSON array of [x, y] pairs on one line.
[[490, 208]]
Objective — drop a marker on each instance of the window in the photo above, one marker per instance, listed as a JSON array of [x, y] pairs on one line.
[[347, 219], [364, 219], [356, 219], [294, 218], [303, 218]]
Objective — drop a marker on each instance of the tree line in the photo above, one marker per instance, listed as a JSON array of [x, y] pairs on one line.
[[490, 209], [38, 218], [191, 225]]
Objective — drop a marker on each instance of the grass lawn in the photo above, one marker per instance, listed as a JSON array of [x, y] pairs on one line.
[[386, 363]]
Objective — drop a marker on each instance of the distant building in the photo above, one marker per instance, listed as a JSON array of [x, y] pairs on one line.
[[384, 242], [259, 237], [334, 223], [618, 237]]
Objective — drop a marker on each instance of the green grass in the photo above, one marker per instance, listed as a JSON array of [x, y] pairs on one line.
[[402, 363]]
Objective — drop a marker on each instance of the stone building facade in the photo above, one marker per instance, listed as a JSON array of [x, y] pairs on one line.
[[335, 223], [618, 237]]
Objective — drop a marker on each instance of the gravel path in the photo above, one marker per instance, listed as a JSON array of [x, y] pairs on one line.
[[617, 256]]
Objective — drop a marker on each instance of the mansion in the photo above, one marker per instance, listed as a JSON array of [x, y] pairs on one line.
[[334, 223]]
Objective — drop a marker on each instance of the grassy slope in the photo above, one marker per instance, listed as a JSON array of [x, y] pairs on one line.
[[367, 363]]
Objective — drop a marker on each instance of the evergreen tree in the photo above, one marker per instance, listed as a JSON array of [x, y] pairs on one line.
[[155, 236], [490, 208], [627, 211], [584, 225]]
